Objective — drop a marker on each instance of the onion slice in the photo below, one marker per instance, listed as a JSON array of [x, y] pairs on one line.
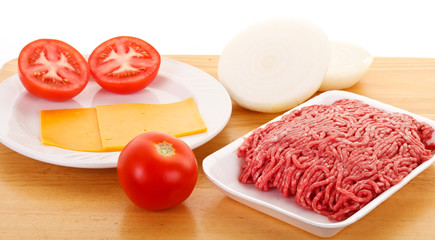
[[348, 64], [274, 65]]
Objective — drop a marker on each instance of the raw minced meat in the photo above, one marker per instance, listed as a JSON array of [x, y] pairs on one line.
[[334, 159]]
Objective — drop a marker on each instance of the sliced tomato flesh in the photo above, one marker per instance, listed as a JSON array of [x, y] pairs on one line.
[[124, 64], [58, 70], [52, 69]]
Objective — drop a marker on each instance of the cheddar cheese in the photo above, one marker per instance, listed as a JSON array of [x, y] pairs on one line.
[[111, 127], [74, 129], [119, 123]]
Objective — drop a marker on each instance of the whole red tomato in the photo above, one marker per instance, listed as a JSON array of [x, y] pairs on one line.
[[157, 171]]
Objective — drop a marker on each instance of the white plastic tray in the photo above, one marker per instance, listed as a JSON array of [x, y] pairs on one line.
[[223, 168]]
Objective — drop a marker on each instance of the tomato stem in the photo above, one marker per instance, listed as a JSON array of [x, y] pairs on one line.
[[165, 149]]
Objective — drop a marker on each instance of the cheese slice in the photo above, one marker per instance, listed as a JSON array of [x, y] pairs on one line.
[[111, 127], [74, 129], [120, 123]]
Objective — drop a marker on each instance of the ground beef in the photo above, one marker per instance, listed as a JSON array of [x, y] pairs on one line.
[[334, 159]]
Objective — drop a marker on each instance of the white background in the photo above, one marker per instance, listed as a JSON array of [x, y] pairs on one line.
[[384, 27]]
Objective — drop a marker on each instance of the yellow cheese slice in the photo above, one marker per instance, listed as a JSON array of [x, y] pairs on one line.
[[74, 129], [111, 127], [119, 123]]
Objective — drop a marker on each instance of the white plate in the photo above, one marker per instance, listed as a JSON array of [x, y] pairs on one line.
[[223, 168], [20, 121]]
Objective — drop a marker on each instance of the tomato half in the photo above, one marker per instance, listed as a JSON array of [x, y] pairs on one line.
[[52, 69], [157, 171], [124, 64]]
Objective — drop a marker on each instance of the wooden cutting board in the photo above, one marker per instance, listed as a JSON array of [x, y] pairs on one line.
[[44, 201]]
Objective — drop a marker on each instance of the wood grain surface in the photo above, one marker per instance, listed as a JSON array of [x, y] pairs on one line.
[[43, 201]]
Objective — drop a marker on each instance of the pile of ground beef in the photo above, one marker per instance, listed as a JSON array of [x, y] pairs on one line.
[[334, 159]]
